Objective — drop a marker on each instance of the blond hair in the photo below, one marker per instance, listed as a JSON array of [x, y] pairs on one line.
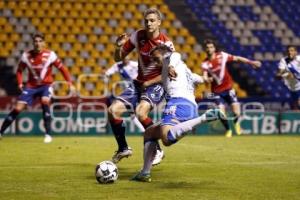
[[153, 11]]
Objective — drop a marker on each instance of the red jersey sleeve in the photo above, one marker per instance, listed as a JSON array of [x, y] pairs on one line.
[[127, 47], [59, 65], [230, 57]]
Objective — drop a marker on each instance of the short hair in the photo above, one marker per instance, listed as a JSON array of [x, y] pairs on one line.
[[291, 46], [153, 11], [209, 41], [161, 48], [38, 35]]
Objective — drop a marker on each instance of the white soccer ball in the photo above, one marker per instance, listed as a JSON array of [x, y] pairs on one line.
[[106, 172]]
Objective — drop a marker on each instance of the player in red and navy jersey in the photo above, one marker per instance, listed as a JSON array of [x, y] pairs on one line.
[[39, 63], [146, 90], [215, 70]]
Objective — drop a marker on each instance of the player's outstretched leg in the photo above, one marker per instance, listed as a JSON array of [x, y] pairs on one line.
[[237, 125], [123, 151], [47, 123], [151, 137], [236, 113], [118, 128], [8, 121], [180, 130], [159, 155], [149, 153]]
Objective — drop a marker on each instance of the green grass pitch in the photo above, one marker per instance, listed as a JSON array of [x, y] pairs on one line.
[[197, 167]]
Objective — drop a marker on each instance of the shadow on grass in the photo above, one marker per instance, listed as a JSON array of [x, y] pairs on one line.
[[185, 184]]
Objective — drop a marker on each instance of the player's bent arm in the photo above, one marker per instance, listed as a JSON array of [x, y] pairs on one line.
[[67, 77], [172, 74], [197, 78], [119, 55], [253, 63], [282, 73], [65, 74], [206, 78], [112, 70], [20, 76]]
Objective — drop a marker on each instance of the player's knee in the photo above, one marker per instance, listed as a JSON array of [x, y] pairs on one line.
[[45, 101], [110, 111], [141, 116], [166, 142], [20, 107], [114, 111], [237, 113], [142, 113]]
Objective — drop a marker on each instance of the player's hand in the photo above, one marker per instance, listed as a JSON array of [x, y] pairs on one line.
[[256, 64], [290, 75], [72, 90], [172, 73], [278, 76], [121, 40], [208, 79], [21, 87]]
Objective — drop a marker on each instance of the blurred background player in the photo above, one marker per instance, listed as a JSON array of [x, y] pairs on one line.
[[289, 71], [181, 112], [146, 90], [128, 70], [39, 63], [215, 70]]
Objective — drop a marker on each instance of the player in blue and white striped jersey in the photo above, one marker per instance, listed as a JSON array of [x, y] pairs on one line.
[[128, 69], [289, 70], [181, 112]]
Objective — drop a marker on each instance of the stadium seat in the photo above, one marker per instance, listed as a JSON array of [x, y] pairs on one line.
[[99, 21]]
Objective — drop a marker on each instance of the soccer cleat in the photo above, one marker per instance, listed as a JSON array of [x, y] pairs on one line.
[[158, 157], [140, 177], [238, 129], [119, 155], [47, 139], [228, 134]]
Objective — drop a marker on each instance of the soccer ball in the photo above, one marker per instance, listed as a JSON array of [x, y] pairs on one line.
[[106, 172]]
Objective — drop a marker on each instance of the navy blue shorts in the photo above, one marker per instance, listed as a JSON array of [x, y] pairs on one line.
[[132, 95], [179, 110], [29, 94], [228, 96], [295, 95]]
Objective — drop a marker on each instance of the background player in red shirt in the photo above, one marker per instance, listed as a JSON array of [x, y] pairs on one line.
[[146, 90], [215, 70], [38, 62]]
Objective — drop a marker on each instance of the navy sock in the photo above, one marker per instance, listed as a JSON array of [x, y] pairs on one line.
[[119, 131], [47, 118], [236, 118], [9, 120], [225, 123]]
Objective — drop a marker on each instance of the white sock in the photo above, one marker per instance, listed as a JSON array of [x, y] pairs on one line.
[[149, 153], [137, 122], [180, 130]]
